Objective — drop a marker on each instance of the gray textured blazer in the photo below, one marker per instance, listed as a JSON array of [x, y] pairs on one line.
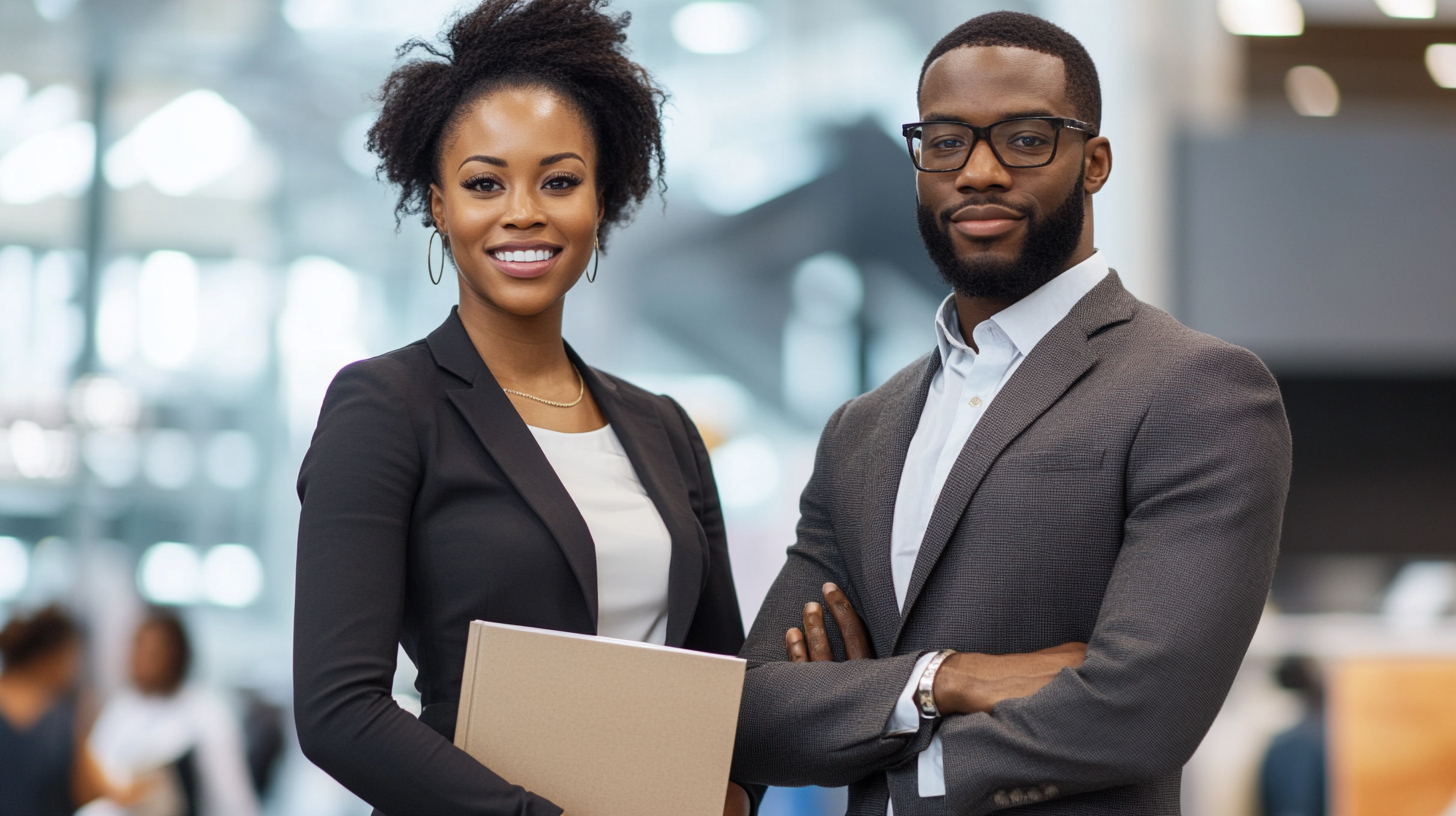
[[1125, 488]]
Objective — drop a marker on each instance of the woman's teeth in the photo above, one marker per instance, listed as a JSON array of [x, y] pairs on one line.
[[525, 255]]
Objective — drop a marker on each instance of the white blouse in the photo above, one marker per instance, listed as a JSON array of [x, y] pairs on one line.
[[633, 547]]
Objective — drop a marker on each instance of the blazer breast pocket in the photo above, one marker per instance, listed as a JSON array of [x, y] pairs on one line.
[[1061, 460]]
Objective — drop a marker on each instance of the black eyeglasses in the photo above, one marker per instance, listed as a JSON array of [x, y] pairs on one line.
[[1028, 141]]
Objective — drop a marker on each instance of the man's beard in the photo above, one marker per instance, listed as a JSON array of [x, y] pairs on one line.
[[1049, 243]]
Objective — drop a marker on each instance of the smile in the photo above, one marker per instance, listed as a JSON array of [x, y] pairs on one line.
[[524, 255], [523, 260]]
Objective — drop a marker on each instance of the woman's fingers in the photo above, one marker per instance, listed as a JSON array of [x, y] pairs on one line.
[[794, 645], [814, 633], [856, 640]]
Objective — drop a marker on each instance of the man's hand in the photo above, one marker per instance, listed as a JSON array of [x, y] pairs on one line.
[[812, 644], [969, 682]]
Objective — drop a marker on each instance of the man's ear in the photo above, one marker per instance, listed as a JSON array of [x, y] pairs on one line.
[[1096, 163]]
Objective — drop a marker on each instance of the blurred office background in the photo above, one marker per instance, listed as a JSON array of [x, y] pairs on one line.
[[192, 242]]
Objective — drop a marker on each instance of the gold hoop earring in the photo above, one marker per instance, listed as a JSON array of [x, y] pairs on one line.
[[429, 257], [596, 259]]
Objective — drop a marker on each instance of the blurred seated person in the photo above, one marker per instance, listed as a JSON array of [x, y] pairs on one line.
[[45, 769], [1292, 779], [184, 736]]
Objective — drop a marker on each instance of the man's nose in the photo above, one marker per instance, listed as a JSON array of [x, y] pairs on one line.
[[982, 170]]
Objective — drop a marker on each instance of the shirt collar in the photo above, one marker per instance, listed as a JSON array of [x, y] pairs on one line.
[[1028, 320]]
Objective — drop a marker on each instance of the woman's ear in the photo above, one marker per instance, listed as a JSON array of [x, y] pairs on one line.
[[437, 209]]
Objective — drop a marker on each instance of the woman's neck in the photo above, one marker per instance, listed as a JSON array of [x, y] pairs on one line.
[[516, 349]]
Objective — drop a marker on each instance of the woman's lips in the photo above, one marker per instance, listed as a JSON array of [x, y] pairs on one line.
[[523, 269]]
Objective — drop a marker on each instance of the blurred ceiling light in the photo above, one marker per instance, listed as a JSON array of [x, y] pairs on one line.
[[170, 573], [116, 315], [1441, 62], [1262, 18], [351, 145], [747, 471], [55, 162], [40, 453], [105, 403], [415, 18], [231, 460], [1419, 594], [167, 305], [187, 143], [1311, 91], [14, 567], [232, 575], [55, 10], [170, 459], [13, 90], [318, 333], [717, 28], [1408, 9], [113, 456]]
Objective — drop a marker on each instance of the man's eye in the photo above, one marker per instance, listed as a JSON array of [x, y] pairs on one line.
[[948, 144], [1028, 140]]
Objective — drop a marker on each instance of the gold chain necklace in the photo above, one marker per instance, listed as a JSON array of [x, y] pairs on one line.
[[581, 392]]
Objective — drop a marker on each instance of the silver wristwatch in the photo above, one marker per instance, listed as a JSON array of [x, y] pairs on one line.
[[925, 690]]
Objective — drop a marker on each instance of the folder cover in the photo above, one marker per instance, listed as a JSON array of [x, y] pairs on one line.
[[601, 727]]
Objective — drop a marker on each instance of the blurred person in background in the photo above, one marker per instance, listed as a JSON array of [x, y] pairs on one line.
[[1292, 777], [487, 472], [1060, 524], [45, 767], [183, 738]]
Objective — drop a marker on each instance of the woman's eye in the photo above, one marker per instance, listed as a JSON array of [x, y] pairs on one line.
[[483, 184], [561, 182]]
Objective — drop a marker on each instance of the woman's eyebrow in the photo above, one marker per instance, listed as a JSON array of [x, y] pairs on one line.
[[487, 159], [556, 157]]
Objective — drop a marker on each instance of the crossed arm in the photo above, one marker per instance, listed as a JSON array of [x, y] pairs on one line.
[[967, 682]]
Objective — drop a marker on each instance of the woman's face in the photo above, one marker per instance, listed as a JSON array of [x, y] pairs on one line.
[[153, 660], [518, 200]]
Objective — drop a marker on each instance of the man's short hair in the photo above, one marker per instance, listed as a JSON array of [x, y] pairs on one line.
[[1017, 30]]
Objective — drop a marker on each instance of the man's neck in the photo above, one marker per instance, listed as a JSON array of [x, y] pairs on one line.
[[973, 311]]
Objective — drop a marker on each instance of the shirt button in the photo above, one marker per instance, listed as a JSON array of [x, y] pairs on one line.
[[1001, 798], [975, 402]]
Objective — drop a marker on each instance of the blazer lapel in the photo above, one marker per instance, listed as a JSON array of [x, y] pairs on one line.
[[1061, 358], [645, 440], [891, 445], [505, 436]]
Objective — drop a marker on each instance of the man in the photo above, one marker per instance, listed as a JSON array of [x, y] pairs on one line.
[[1069, 472]]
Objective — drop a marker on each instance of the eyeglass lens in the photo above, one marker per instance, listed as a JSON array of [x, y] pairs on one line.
[[1017, 143]]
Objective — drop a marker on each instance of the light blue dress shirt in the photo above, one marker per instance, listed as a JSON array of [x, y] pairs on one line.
[[960, 393]]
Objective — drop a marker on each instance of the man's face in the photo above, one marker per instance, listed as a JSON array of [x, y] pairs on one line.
[[998, 232]]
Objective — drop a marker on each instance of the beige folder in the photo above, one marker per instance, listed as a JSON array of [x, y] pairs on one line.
[[601, 727]]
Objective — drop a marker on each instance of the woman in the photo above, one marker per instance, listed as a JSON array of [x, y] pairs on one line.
[[183, 736], [44, 769], [487, 472]]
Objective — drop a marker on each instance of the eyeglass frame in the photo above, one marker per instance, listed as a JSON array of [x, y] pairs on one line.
[[982, 134]]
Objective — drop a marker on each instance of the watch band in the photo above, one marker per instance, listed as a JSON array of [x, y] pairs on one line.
[[925, 690]]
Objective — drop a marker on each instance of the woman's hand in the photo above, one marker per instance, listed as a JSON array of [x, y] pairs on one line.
[[736, 803]]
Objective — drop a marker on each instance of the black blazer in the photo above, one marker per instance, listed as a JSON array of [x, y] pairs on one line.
[[427, 504]]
